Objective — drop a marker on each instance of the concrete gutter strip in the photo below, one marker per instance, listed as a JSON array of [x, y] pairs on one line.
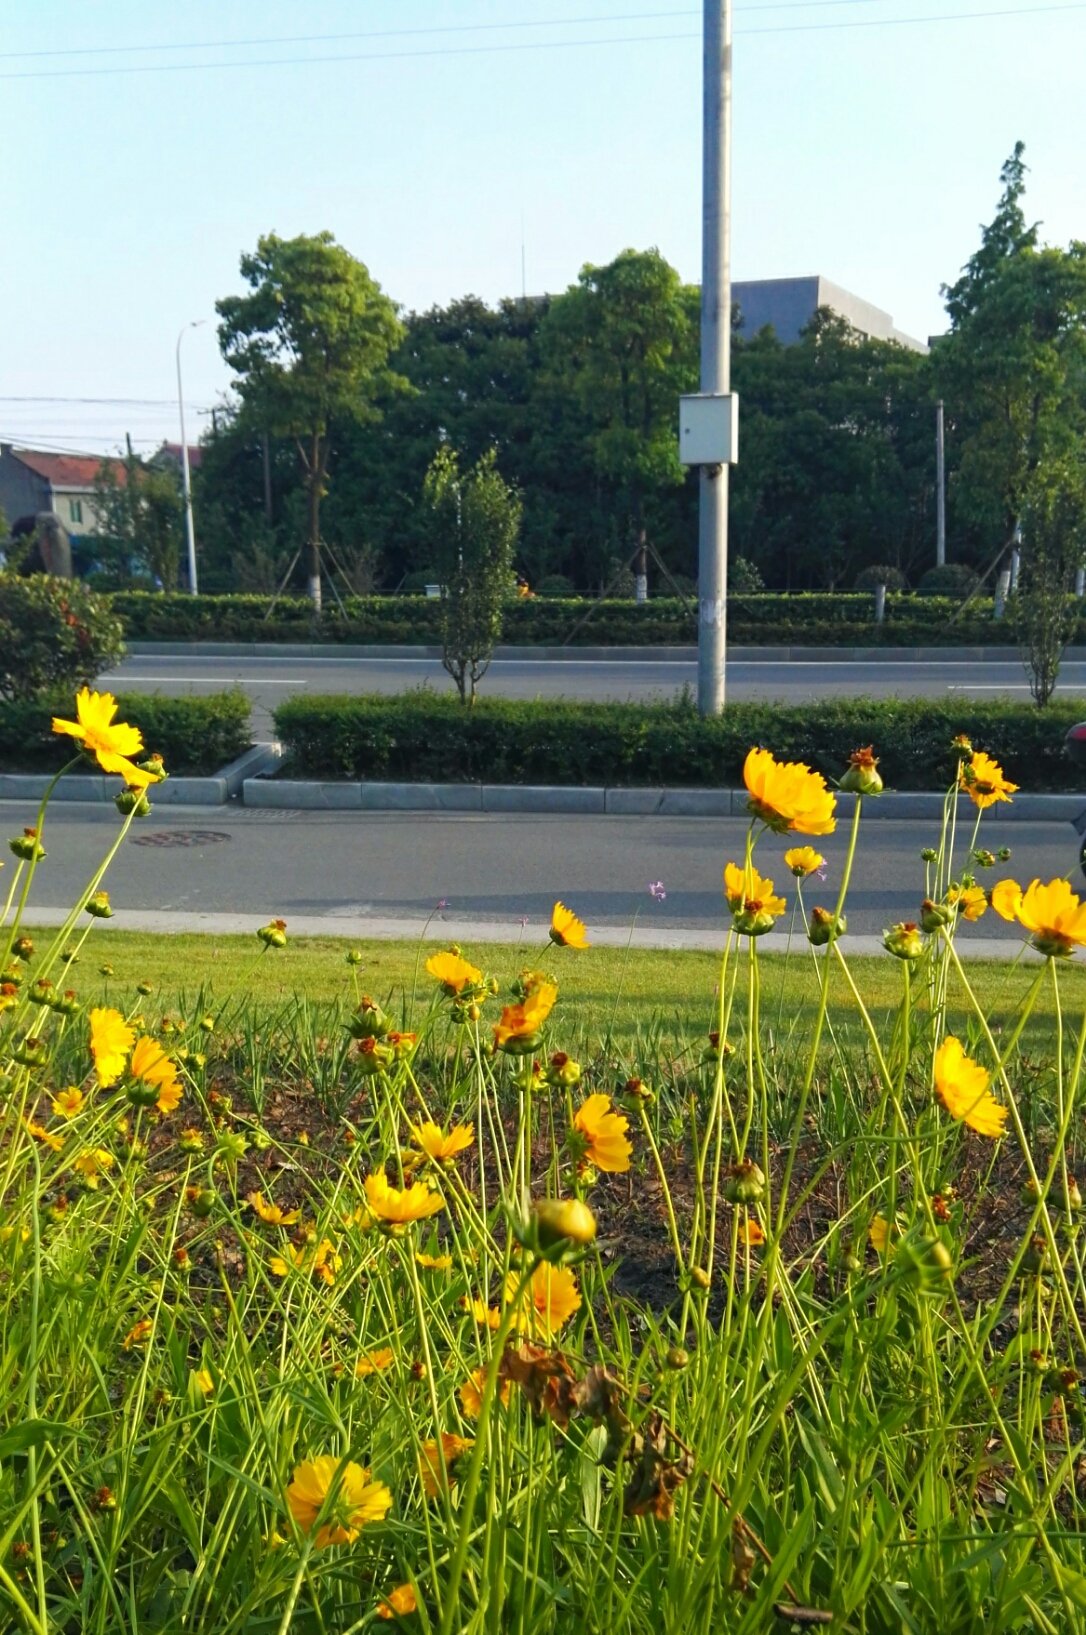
[[299, 795], [379, 928], [225, 785], [619, 655]]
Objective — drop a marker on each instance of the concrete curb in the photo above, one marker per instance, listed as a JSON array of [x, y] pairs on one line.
[[440, 932], [225, 785], [631, 655], [301, 795]]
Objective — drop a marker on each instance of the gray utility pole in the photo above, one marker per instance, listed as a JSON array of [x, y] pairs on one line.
[[940, 487], [716, 332], [186, 475]]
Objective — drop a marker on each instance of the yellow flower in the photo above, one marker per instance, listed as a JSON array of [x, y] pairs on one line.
[[566, 929], [46, 1137], [322, 1261], [970, 901], [803, 860], [1056, 917], [435, 1263], [437, 1145], [603, 1134], [110, 742], [436, 1466], [878, 1234], [454, 974], [399, 1209], [471, 1393], [750, 1233], [486, 1316], [520, 1024], [787, 796], [203, 1381], [66, 1103], [271, 1214], [962, 1086], [139, 1334], [111, 1039], [748, 891], [1007, 899], [398, 1603], [92, 1164], [342, 1493], [151, 1065], [983, 781], [374, 1362], [547, 1303]]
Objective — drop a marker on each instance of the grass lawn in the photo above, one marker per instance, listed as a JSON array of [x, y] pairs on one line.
[[602, 988]]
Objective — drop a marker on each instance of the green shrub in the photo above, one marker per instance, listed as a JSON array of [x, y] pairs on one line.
[[767, 619], [422, 736], [194, 736], [55, 634], [872, 577], [951, 579]]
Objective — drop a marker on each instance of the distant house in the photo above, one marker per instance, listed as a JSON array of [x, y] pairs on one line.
[[32, 481], [789, 304], [170, 454]]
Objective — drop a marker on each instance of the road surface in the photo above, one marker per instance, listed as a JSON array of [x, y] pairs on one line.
[[352, 870], [269, 681]]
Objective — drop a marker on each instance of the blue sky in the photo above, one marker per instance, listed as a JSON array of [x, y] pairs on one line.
[[868, 153]]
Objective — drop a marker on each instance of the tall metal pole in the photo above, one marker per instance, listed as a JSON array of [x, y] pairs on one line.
[[186, 475], [716, 331], [940, 487]]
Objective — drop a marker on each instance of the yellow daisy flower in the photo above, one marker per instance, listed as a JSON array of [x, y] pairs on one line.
[[787, 796], [602, 1134], [803, 860], [111, 1039], [432, 1140], [566, 929], [548, 1302], [962, 1087], [112, 743], [340, 1492], [454, 974], [983, 781], [396, 1209]]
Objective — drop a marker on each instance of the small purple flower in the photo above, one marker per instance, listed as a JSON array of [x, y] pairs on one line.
[[442, 905], [820, 874], [523, 921], [657, 892]]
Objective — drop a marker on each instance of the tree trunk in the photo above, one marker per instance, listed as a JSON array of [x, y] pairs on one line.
[[315, 477]]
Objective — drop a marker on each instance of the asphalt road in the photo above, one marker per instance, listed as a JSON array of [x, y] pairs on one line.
[[269, 681], [351, 870]]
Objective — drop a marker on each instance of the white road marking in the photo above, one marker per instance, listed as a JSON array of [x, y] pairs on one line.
[[210, 681]]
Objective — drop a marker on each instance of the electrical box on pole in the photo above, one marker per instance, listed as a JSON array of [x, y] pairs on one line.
[[709, 429]]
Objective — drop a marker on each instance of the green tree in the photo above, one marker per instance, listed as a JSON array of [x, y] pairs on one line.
[[476, 519], [139, 508], [1054, 532], [1012, 368], [310, 345], [620, 346]]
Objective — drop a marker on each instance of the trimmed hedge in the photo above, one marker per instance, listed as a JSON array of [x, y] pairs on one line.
[[194, 736], [423, 737], [761, 620]]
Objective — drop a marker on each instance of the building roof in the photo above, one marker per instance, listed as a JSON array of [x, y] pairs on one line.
[[172, 451], [68, 470]]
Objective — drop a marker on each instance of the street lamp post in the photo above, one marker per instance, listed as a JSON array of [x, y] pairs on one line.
[[186, 475]]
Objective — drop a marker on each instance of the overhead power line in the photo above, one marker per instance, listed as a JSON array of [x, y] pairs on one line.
[[403, 33], [112, 402], [535, 45]]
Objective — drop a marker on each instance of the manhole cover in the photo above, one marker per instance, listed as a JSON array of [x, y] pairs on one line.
[[180, 837]]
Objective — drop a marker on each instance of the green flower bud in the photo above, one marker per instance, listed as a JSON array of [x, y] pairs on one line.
[[744, 1183], [903, 940], [825, 927], [564, 1218], [862, 776]]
